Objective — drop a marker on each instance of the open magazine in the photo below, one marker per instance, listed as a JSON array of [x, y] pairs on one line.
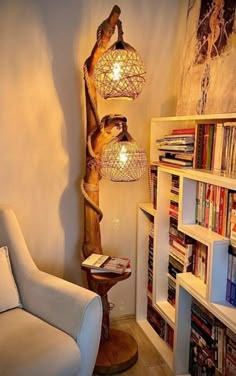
[[97, 262]]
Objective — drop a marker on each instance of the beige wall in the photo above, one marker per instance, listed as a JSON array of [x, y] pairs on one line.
[[43, 46]]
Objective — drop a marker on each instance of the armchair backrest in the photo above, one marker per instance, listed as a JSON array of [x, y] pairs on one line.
[[11, 236]]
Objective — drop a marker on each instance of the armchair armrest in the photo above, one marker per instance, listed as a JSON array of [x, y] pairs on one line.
[[60, 303]]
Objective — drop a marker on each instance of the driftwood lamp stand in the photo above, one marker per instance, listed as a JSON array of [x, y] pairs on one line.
[[118, 350]]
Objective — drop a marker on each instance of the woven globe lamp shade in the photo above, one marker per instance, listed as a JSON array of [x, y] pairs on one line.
[[123, 161], [119, 73]]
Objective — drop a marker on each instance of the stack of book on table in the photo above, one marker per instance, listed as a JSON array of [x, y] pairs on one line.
[[178, 147], [98, 263]]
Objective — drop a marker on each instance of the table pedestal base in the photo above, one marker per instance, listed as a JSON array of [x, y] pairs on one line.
[[116, 354]]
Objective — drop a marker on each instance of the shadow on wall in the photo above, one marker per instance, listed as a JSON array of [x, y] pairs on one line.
[[62, 36], [39, 141]]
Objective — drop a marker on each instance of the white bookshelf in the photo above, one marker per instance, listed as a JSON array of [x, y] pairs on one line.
[[210, 294], [162, 347]]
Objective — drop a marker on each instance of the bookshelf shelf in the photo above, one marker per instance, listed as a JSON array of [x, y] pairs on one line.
[[225, 312], [196, 118], [148, 207], [162, 347], [216, 178], [167, 311], [193, 285], [210, 291], [203, 234]]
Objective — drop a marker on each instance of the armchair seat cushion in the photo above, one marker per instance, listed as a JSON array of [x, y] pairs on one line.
[[37, 348]]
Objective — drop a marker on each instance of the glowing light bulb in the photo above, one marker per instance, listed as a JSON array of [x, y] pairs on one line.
[[123, 155], [116, 73]]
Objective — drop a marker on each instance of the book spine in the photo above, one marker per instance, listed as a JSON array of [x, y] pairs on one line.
[[198, 152], [225, 210], [221, 209], [210, 223], [201, 198], [207, 205], [214, 204], [218, 147], [181, 131], [217, 209], [233, 282], [209, 146], [225, 148], [229, 272], [220, 347], [205, 145]]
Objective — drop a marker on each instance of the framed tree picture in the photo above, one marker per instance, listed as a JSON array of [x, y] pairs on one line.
[[208, 81]]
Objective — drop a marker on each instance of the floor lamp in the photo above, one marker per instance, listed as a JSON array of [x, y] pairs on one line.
[[118, 351]]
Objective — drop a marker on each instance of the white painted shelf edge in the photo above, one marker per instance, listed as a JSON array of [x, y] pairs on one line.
[[161, 346], [224, 311], [148, 208], [167, 311], [203, 234], [216, 178], [192, 284], [229, 116]]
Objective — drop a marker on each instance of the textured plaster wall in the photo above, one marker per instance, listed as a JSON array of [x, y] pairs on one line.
[[43, 46]]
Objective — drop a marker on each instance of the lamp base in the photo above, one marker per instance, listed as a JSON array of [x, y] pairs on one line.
[[116, 354]]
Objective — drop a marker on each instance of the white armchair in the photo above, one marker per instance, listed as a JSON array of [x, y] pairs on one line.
[[56, 330]]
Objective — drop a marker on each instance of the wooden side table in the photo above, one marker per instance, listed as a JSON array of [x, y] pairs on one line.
[[118, 350]]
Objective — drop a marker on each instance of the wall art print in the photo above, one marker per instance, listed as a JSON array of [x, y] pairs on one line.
[[208, 82]]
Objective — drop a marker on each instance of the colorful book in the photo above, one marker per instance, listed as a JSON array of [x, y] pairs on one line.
[[218, 147], [181, 131]]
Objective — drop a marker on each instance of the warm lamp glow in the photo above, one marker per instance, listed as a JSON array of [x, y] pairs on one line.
[[122, 160], [123, 157], [119, 73]]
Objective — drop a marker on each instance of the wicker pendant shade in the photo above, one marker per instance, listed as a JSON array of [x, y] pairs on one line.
[[123, 160], [119, 73]]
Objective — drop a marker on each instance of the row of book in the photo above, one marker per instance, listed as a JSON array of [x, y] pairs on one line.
[[200, 257], [216, 208], [212, 344], [215, 147], [171, 294], [177, 148], [180, 247], [173, 262], [150, 257], [210, 147], [185, 253], [161, 327], [153, 184], [174, 197]]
